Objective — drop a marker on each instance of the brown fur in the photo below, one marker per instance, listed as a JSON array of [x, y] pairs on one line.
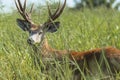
[[90, 62], [34, 27], [112, 55], [110, 52]]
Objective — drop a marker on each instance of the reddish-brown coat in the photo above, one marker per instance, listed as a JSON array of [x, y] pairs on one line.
[[110, 52]]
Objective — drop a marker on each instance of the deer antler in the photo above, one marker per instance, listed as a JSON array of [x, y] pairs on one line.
[[22, 10], [57, 13]]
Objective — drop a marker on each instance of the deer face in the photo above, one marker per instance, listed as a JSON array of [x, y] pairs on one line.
[[37, 32]]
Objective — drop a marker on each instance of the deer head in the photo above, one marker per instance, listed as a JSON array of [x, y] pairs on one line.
[[37, 32]]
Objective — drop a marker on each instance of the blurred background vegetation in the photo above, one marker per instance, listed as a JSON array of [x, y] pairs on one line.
[[95, 3], [89, 24]]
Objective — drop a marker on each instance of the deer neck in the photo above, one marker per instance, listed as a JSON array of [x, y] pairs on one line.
[[46, 50], [45, 47]]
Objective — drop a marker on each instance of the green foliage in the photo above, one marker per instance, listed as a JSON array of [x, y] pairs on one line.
[[79, 31], [93, 3]]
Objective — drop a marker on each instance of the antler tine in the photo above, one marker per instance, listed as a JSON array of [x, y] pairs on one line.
[[22, 10], [49, 11], [56, 10], [17, 7], [20, 5], [57, 14], [31, 8], [25, 5]]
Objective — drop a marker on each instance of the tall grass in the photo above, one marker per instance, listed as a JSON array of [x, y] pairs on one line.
[[79, 30]]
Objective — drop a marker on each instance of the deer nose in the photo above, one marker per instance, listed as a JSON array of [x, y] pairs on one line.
[[30, 41]]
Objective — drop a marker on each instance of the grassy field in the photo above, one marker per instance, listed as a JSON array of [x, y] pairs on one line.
[[79, 30]]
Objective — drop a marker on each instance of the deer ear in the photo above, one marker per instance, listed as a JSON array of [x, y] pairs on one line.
[[52, 27], [24, 25]]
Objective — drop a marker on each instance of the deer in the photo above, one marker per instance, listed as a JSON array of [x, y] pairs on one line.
[[37, 36]]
